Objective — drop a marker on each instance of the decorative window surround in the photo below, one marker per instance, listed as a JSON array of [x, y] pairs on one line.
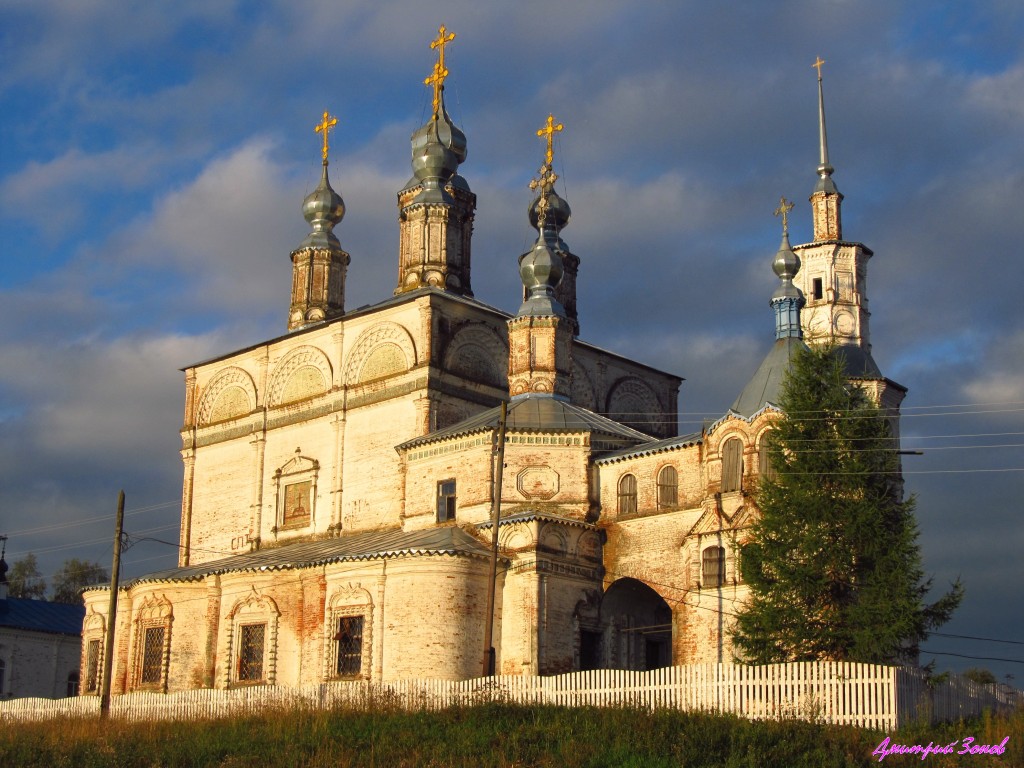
[[348, 602], [253, 610], [295, 490]]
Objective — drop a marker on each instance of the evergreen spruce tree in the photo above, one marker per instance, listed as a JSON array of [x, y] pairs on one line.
[[833, 564]]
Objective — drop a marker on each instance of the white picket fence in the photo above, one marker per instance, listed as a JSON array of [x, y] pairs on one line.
[[865, 695]]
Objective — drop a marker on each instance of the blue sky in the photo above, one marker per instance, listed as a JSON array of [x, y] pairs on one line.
[[154, 160]]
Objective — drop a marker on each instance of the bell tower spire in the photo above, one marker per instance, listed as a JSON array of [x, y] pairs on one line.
[[436, 208], [540, 335], [826, 199], [319, 263], [557, 213]]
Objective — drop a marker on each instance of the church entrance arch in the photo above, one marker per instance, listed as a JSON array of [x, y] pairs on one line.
[[638, 627]]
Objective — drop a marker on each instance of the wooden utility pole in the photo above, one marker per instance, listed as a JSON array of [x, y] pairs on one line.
[[108, 646], [489, 655]]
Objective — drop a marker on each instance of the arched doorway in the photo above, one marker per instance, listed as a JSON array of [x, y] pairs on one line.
[[637, 624]]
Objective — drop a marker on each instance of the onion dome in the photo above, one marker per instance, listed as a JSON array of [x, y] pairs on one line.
[[438, 148], [765, 387], [323, 208], [557, 213], [541, 270], [788, 300]]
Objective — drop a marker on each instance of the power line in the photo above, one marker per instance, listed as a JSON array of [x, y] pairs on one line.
[[975, 658], [973, 637]]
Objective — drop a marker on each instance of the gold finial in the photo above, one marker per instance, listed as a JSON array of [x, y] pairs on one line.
[[550, 129], [783, 210], [437, 77], [818, 61], [324, 127]]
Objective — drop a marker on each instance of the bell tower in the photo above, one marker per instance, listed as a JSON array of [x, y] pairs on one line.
[[833, 278], [436, 208], [319, 263]]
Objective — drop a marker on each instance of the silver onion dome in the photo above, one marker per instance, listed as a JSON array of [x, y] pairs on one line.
[[323, 208], [541, 270]]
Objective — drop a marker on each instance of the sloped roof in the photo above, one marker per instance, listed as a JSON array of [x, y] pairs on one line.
[[535, 413], [373, 545], [859, 363], [41, 616], [652, 447], [766, 385]]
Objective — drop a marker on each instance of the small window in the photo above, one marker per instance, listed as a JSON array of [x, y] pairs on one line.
[[668, 483], [445, 501], [250, 652], [817, 291], [765, 468], [3, 670], [627, 495], [72, 683], [350, 645], [713, 561], [732, 465], [92, 667], [153, 655]]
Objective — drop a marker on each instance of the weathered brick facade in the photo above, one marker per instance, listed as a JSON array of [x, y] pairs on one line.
[[339, 482]]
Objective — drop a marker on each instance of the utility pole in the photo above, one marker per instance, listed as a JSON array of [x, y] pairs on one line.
[[108, 646], [489, 655]]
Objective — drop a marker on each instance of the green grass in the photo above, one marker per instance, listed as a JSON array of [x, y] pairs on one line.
[[490, 735]]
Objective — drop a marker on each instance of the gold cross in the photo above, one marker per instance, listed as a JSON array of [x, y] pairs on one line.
[[437, 77], [324, 127], [818, 61], [783, 210], [550, 129], [441, 42]]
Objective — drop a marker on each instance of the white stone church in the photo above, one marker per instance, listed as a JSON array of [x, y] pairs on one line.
[[340, 479]]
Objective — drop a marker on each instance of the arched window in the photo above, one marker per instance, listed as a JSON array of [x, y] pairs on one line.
[[3, 669], [713, 567], [732, 465], [668, 484], [764, 465], [627, 495], [72, 684]]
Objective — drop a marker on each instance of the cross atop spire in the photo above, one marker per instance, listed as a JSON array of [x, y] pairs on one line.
[[824, 166], [818, 61], [437, 77], [549, 130], [324, 126], [783, 210]]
